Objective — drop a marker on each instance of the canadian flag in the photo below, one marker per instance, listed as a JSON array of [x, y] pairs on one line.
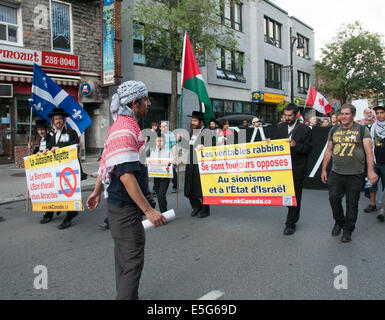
[[318, 101]]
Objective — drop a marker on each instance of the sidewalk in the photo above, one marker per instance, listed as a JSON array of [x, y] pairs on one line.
[[13, 186]]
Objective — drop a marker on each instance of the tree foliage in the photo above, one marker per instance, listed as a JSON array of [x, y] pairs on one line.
[[353, 65], [165, 22]]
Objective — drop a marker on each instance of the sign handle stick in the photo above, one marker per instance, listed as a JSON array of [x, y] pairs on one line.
[[177, 186], [29, 153]]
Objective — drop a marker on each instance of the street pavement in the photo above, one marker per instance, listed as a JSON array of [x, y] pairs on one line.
[[239, 252]]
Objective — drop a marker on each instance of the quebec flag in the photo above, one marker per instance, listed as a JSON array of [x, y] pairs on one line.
[[47, 95]]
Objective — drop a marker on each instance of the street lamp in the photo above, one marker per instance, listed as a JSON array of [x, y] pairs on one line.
[[299, 46]]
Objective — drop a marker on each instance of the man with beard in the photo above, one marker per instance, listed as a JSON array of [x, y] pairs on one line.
[[300, 146], [192, 182]]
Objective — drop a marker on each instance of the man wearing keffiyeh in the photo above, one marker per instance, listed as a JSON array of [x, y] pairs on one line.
[[125, 180], [377, 133]]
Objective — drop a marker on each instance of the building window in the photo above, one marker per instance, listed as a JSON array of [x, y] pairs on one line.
[[232, 14], [230, 65], [303, 82], [149, 56], [10, 30], [273, 75], [61, 26], [273, 32], [224, 107], [305, 51]]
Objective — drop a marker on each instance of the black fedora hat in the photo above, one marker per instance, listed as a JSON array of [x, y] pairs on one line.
[[198, 115], [379, 107], [41, 124], [58, 111]]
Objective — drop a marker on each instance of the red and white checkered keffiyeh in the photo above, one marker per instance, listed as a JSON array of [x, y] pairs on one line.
[[123, 144]]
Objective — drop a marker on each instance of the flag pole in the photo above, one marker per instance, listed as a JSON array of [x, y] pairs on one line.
[[182, 80], [29, 153]]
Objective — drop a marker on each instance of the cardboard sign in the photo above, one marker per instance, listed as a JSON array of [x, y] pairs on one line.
[[252, 174], [159, 168], [54, 180]]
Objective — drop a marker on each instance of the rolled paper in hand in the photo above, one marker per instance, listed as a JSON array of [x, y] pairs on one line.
[[169, 215]]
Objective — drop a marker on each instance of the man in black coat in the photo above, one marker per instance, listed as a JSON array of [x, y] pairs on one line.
[[300, 146], [192, 183], [61, 137], [258, 133]]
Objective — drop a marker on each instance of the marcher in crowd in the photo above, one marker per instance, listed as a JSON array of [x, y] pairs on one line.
[[126, 180], [347, 146], [245, 124], [192, 182], [213, 125], [313, 121], [62, 136], [368, 119], [377, 134], [334, 120], [300, 146], [170, 141], [257, 132], [162, 151], [325, 123], [223, 133]]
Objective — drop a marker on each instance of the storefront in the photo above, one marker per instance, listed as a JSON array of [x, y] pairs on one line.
[[266, 105], [16, 74]]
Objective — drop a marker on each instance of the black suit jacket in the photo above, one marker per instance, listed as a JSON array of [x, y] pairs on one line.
[[249, 134], [68, 137], [302, 137]]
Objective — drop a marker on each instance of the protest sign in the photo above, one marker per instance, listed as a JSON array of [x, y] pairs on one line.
[[54, 180], [159, 168], [253, 174]]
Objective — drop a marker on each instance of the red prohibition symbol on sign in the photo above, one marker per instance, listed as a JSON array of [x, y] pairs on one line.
[[72, 188]]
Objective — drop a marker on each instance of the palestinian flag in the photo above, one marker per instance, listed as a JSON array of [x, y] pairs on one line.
[[299, 117], [192, 80]]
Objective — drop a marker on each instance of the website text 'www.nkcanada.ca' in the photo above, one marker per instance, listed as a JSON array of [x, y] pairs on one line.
[[245, 201]]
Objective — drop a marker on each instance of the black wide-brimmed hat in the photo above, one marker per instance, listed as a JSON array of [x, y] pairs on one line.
[[198, 115], [58, 111], [379, 107], [41, 124]]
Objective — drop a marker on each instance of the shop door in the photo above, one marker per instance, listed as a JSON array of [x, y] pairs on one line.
[[6, 130]]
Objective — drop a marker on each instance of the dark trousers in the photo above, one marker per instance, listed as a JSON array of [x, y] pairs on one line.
[[197, 204], [349, 185], [293, 212], [161, 191], [128, 234], [174, 178]]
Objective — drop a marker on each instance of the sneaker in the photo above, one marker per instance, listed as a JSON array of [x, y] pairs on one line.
[[370, 208], [381, 216], [104, 226], [173, 190]]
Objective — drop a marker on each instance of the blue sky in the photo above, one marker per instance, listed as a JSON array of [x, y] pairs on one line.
[[327, 16]]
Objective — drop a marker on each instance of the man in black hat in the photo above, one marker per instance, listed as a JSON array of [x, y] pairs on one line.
[[300, 146], [41, 134], [192, 183], [62, 136]]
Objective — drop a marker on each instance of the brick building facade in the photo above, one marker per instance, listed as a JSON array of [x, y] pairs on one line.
[[65, 35]]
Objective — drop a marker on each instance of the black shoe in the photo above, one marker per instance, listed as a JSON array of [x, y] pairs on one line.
[[380, 217], [64, 225], [195, 212], [203, 214], [289, 231], [2, 219], [346, 236], [370, 208], [45, 220], [336, 230]]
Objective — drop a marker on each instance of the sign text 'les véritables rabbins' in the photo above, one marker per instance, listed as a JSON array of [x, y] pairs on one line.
[[53, 180], [255, 174]]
